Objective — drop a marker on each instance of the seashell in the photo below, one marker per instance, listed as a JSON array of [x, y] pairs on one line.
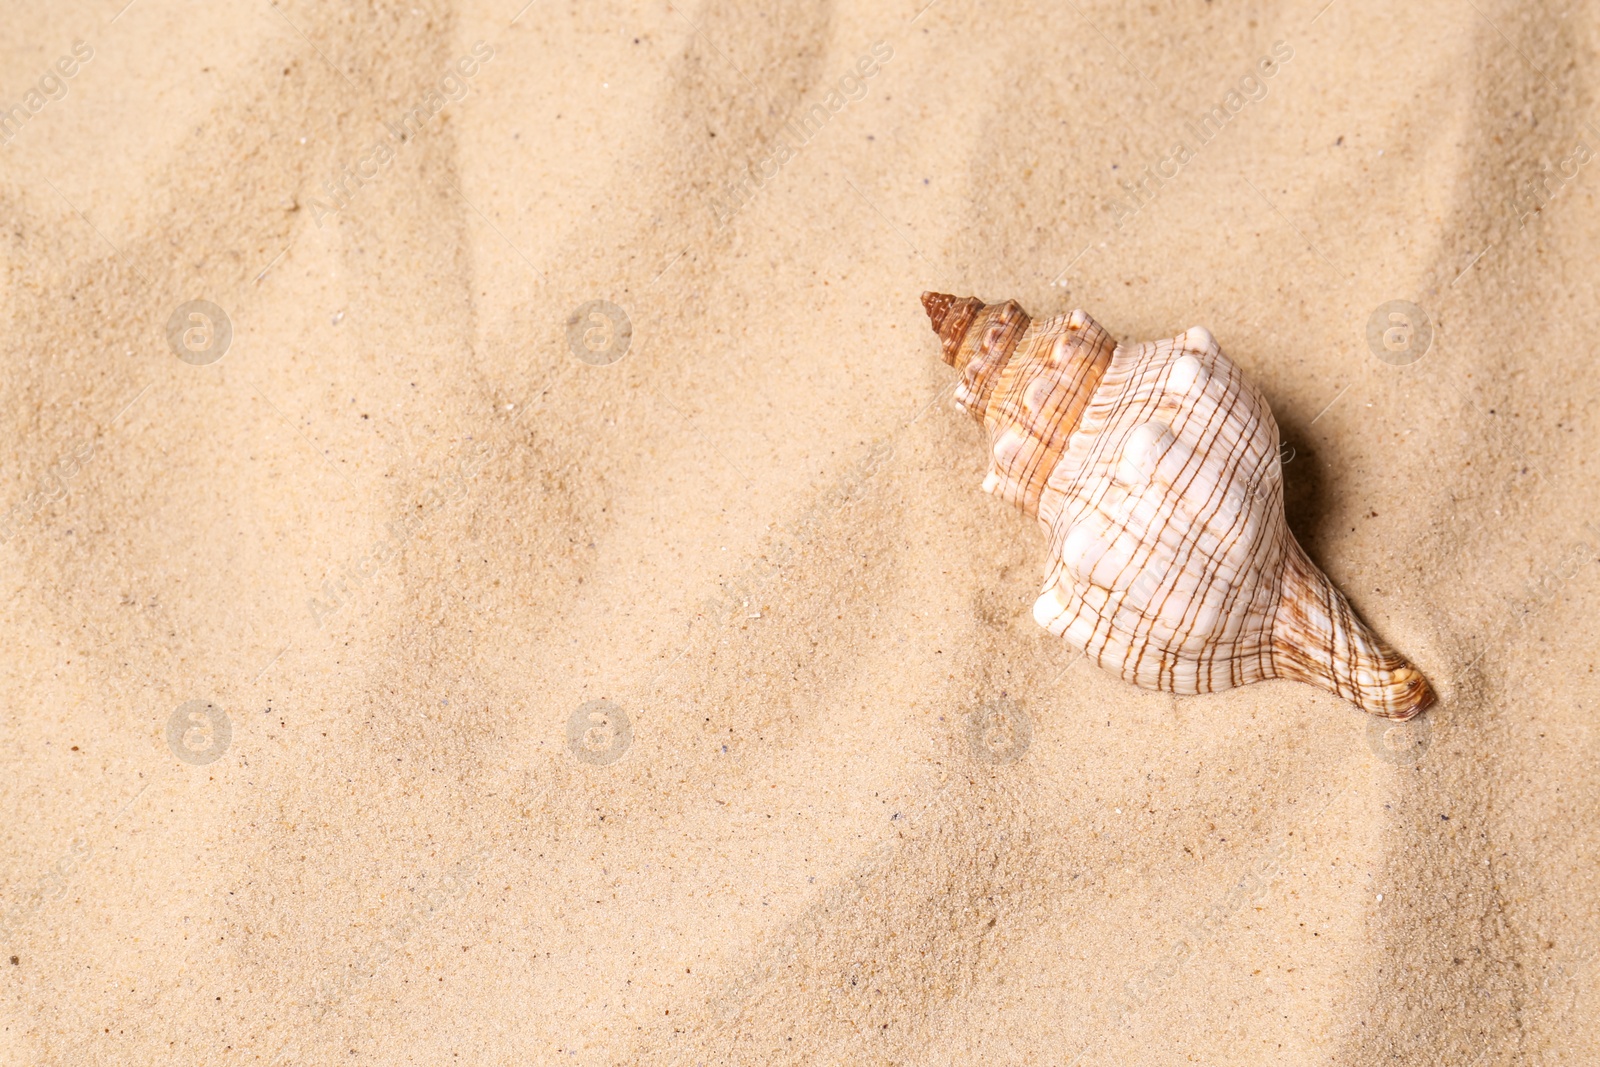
[[1154, 471]]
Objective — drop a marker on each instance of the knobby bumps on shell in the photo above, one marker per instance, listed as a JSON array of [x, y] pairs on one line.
[[1154, 472]]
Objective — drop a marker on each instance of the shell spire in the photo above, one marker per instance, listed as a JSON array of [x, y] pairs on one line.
[[1026, 383], [951, 319], [1154, 471]]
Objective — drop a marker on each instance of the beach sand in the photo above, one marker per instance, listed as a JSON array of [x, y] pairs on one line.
[[398, 674]]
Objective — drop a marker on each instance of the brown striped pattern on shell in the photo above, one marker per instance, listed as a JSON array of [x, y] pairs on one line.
[[1037, 402], [1154, 471]]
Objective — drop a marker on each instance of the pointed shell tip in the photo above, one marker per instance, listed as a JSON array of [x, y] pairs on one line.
[[951, 317]]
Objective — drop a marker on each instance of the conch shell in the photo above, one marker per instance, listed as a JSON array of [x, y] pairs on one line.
[[1154, 471]]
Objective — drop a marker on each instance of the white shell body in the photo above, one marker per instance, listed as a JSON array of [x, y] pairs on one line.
[[1154, 471], [1164, 550]]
